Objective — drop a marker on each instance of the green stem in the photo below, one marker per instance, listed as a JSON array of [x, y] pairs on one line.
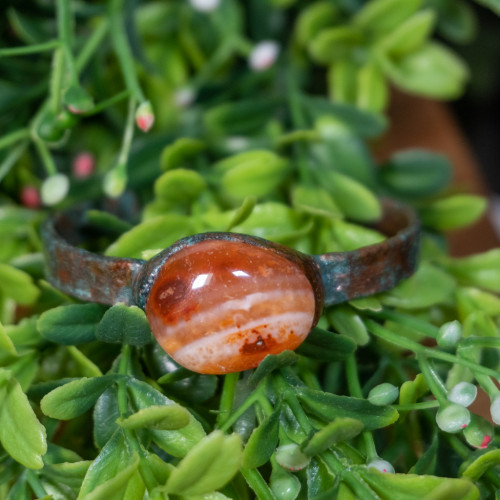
[[91, 45], [433, 380], [122, 383], [11, 159], [56, 80], [108, 103], [13, 137], [424, 405], [483, 342], [122, 49], [407, 321], [248, 403], [128, 134], [46, 157], [35, 484], [257, 483], [64, 22], [227, 397], [394, 338], [355, 390], [30, 49]]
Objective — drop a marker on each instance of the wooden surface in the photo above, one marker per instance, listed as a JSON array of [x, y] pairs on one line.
[[421, 123]]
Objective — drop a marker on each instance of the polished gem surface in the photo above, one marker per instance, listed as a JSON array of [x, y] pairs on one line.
[[222, 306]]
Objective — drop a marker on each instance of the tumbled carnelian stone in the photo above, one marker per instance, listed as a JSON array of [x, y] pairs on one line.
[[221, 306]]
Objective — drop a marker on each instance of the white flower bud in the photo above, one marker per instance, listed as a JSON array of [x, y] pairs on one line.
[[495, 409], [290, 457], [183, 98], [115, 182], [449, 334], [381, 465], [263, 55], [463, 394], [204, 5], [54, 189], [452, 418]]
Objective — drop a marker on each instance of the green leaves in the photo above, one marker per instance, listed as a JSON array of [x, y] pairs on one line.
[[108, 476], [21, 434], [453, 212], [208, 466], [70, 325], [123, 324], [17, 285], [330, 406], [74, 398], [170, 417], [179, 187], [180, 152], [326, 346], [262, 442], [253, 173], [433, 71], [156, 233]]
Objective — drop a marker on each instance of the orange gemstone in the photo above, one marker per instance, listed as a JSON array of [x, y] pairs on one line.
[[222, 306]]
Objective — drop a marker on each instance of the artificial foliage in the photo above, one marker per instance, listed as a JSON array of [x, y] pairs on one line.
[[167, 119]]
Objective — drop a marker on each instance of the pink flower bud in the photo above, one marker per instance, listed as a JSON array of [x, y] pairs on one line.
[[204, 5], [144, 117], [30, 197], [263, 55], [381, 465], [83, 165]]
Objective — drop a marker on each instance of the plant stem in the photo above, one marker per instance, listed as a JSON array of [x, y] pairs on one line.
[[30, 49], [394, 338], [46, 157], [128, 134], [433, 380], [35, 484], [13, 137], [355, 390], [251, 400], [424, 405], [10, 160], [257, 483], [122, 49], [56, 80], [227, 397], [122, 387], [91, 45], [406, 320], [108, 103]]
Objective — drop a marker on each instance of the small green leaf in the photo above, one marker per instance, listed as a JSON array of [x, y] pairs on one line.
[[482, 464], [342, 81], [353, 236], [159, 232], [313, 18], [427, 287], [314, 201], [481, 270], [472, 300], [410, 35], [454, 212], [372, 92], [180, 152], [175, 442], [253, 173], [326, 346], [170, 417], [17, 285], [416, 173], [107, 477], [6, 344], [330, 406], [179, 187], [341, 429], [242, 213], [379, 17], [332, 44], [70, 325], [21, 434], [457, 21], [123, 324], [105, 415], [270, 363], [366, 303], [208, 466], [432, 71], [262, 442], [347, 322], [354, 200], [74, 398]]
